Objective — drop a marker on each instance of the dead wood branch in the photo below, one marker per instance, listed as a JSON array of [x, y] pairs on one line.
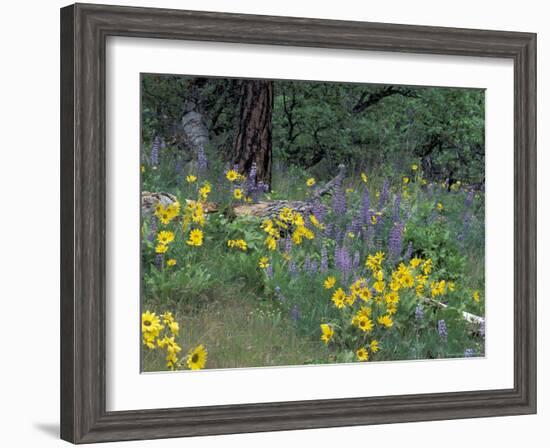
[[261, 209]]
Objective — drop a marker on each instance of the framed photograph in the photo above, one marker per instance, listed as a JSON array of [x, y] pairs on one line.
[[274, 223]]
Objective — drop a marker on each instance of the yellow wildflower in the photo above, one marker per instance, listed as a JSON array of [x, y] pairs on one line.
[[271, 243], [163, 214], [171, 262], [326, 333], [338, 298], [195, 238], [379, 286], [263, 262], [364, 324], [161, 248], [310, 182], [330, 282], [437, 288], [190, 178], [374, 346], [364, 294], [475, 296], [167, 317], [174, 328], [196, 359], [316, 222], [385, 321], [150, 323], [427, 266], [286, 214], [165, 237], [204, 191], [238, 193], [374, 262], [232, 175], [297, 219], [364, 177], [362, 354]]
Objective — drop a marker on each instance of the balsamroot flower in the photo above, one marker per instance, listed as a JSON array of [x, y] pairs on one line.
[[196, 359]]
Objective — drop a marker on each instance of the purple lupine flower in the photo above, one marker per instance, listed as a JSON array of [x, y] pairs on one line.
[[295, 314], [307, 264], [280, 297], [288, 245], [469, 201], [339, 201], [155, 149], [469, 353], [419, 313], [329, 229], [366, 208], [269, 271], [356, 225], [263, 187], [319, 210], [324, 259], [292, 268], [442, 330], [202, 161], [158, 260], [396, 207], [313, 269], [251, 184], [337, 257], [153, 230], [408, 252], [384, 194], [344, 261], [395, 241]]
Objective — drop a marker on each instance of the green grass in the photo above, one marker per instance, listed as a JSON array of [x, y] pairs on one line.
[[239, 331]]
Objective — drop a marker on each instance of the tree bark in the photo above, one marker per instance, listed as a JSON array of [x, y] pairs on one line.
[[253, 139]]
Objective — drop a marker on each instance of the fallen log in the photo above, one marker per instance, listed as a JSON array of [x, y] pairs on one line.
[[468, 317], [261, 209]]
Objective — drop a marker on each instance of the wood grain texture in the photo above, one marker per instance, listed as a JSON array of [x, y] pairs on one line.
[[84, 29]]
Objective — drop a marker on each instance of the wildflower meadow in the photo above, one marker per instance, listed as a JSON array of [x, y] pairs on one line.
[[294, 222]]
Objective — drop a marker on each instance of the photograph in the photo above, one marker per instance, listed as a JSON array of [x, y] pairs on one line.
[[296, 222]]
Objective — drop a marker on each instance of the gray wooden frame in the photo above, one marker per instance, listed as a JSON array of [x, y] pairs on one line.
[[84, 29]]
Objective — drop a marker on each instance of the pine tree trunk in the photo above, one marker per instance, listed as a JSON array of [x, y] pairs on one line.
[[253, 139]]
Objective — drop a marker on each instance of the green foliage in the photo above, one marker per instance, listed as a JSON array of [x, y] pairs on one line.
[[319, 125]]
